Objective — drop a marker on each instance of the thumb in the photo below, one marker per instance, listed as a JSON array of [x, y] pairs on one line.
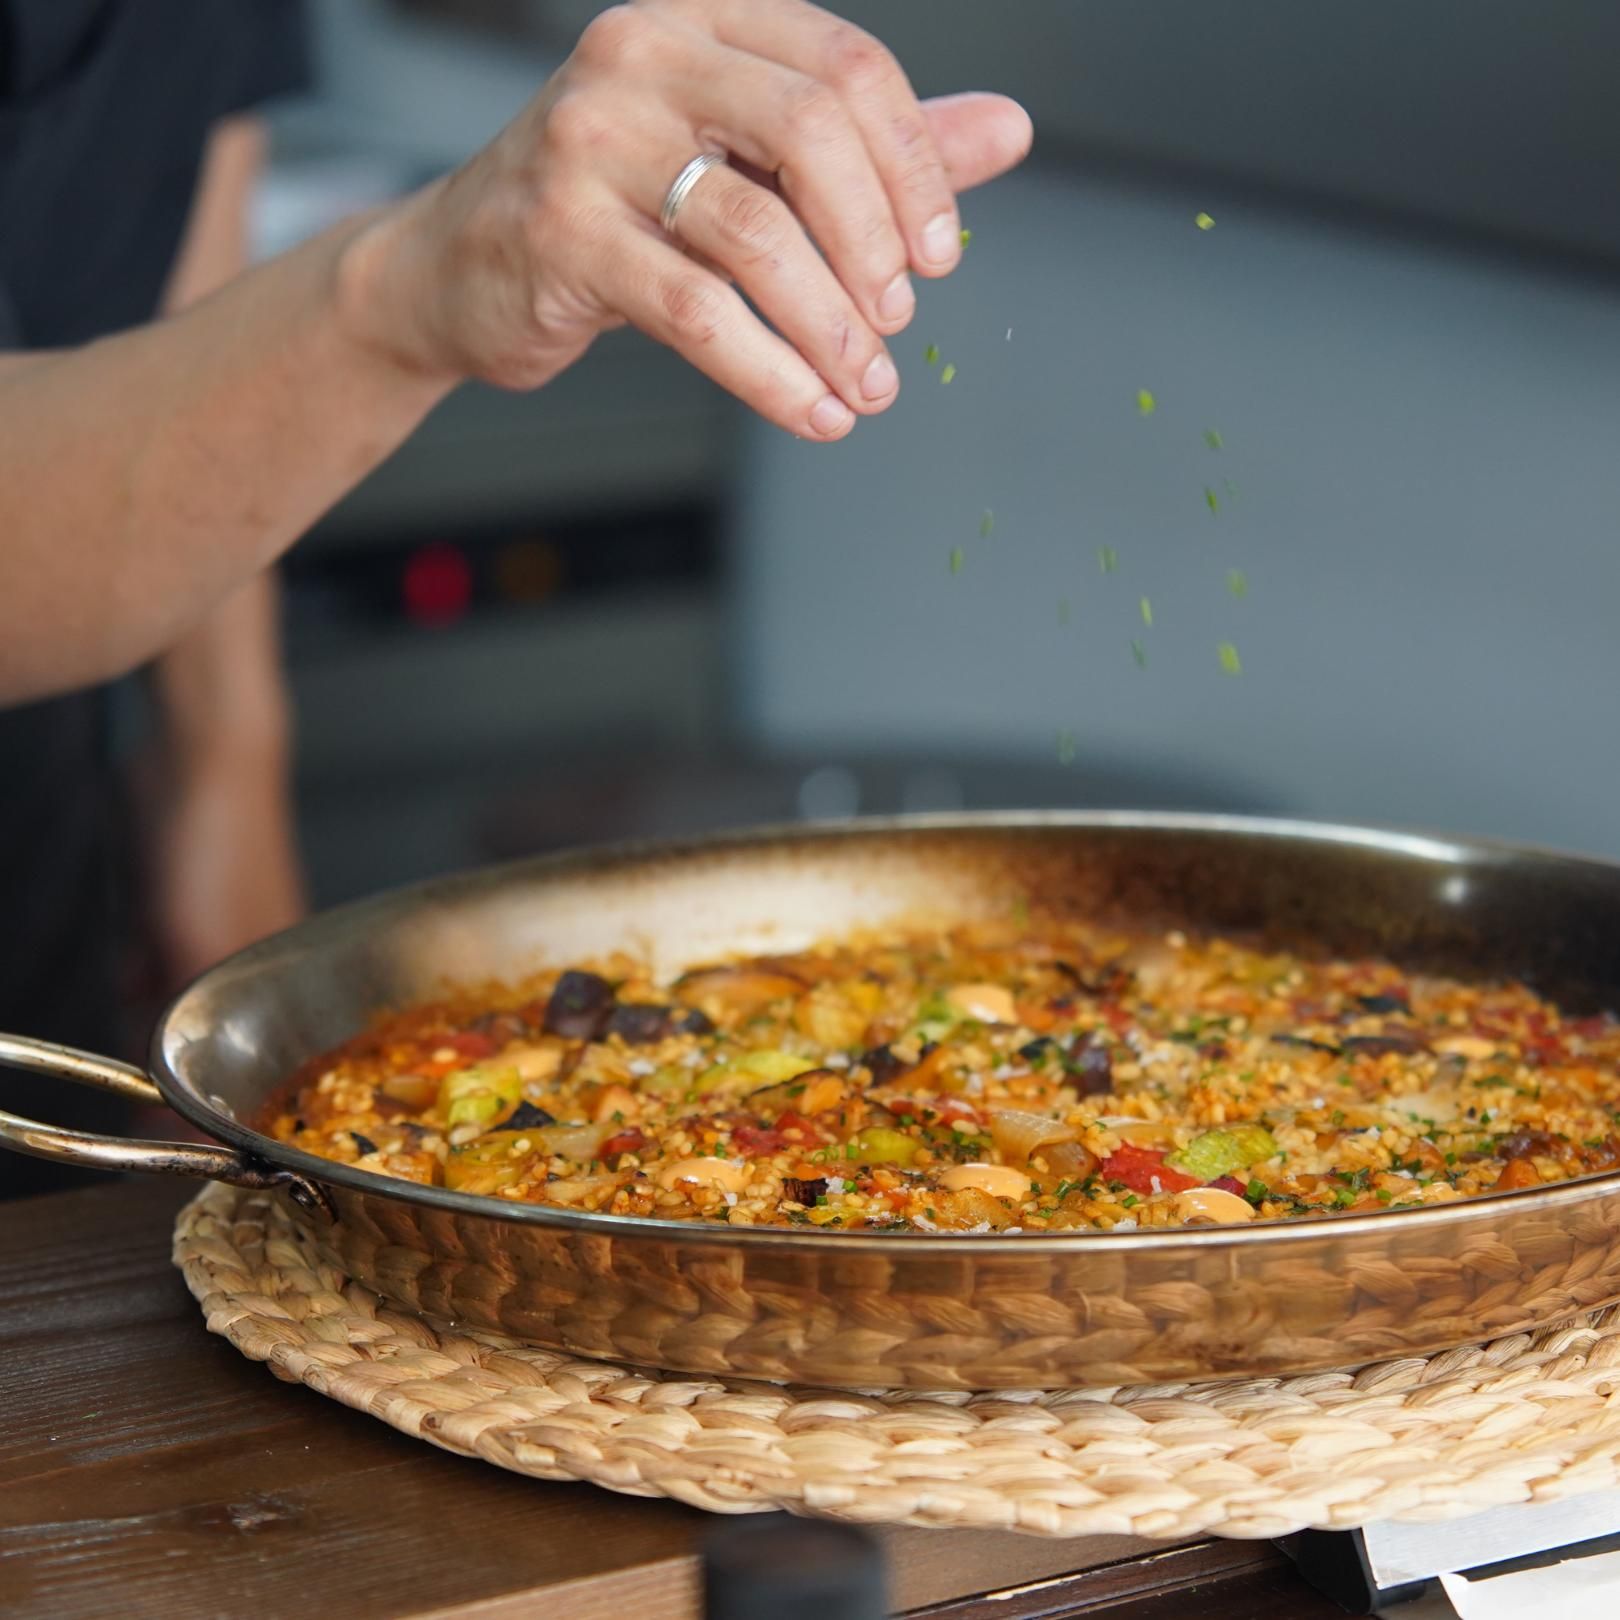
[[978, 135]]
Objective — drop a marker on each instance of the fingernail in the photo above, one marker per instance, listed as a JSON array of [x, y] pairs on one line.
[[941, 237], [881, 378], [830, 416], [898, 299]]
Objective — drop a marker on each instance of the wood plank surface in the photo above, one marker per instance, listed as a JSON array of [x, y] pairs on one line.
[[148, 1469]]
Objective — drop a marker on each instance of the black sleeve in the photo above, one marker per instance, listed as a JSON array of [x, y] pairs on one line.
[[270, 45]]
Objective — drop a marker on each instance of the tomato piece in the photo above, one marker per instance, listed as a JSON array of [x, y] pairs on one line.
[[1139, 1168], [470, 1043], [630, 1141], [756, 1141]]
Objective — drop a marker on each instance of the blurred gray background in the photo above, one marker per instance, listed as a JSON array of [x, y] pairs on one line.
[[621, 606]]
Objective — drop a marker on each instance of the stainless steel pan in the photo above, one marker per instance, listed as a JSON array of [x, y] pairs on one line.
[[884, 1311]]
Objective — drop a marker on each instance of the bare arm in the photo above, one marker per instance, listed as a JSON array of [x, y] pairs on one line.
[[218, 844], [145, 477]]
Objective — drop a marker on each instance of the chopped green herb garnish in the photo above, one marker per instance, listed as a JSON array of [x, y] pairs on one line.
[[1256, 1191], [1130, 1200], [1204, 221], [1145, 402], [1107, 559], [987, 524], [1147, 613], [948, 373], [1230, 662], [1237, 582], [1211, 499], [931, 354], [1139, 653], [958, 556], [1213, 439], [967, 236], [1065, 748]]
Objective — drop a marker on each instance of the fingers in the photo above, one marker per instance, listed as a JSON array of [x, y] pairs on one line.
[[753, 236], [979, 136], [799, 132], [864, 76], [706, 322]]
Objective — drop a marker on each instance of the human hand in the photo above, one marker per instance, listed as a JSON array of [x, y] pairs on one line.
[[841, 184]]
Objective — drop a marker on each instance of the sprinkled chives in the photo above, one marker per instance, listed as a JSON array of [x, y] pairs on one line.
[[1139, 653], [1213, 439], [1204, 221], [1145, 402], [1211, 499], [958, 557], [948, 373], [1147, 613], [987, 524], [1230, 662], [931, 354], [967, 235], [1107, 559], [1237, 582]]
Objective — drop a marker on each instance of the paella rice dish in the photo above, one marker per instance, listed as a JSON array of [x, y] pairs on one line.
[[1010, 1078]]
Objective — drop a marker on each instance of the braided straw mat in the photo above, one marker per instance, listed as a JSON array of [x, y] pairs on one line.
[[1533, 1417]]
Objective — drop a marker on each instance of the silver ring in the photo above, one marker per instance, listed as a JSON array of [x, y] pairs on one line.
[[682, 189]]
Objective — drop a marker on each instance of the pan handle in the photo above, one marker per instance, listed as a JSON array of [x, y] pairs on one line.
[[207, 1161]]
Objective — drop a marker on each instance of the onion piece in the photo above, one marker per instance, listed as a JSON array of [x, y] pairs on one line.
[[1018, 1133], [581, 1143]]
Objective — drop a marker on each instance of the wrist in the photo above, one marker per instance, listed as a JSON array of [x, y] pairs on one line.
[[386, 289]]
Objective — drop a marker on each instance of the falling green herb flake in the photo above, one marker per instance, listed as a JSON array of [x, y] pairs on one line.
[[1145, 402], [1065, 748], [1147, 613], [1237, 582], [1204, 221], [931, 354], [948, 373], [967, 236], [1230, 662], [1211, 499], [958, 557], [1139, 653], [1213, 439], [987, 524], [1063, 611], [1107, 559]]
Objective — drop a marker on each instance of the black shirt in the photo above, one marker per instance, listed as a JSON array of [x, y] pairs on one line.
[[105, 110]]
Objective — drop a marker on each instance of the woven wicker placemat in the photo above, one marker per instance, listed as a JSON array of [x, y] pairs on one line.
[[1527, 1418]]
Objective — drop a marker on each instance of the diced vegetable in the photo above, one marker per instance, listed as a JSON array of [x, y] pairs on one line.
[[1144, 1170], [477, 1096], [1018, 1133], [1219, 1152], [580, 1006], [877, 1144], [487, 1165], [581, 1143]]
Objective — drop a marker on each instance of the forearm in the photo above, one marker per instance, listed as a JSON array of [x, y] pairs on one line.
[[144, 477]]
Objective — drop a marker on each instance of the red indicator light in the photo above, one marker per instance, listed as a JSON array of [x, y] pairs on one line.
[[437, 585]]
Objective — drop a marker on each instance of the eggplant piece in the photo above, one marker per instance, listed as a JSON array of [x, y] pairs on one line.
[[1378, 1045], [639, 1023], [363, 1144], [731, 994], [526, 1117], [1305, 1042], [885, 1066], [803, 1191], [1383, 1004], [1093, 1066], [579, 1007]]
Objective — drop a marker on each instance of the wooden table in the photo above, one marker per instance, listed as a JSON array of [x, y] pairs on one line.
[[147, 1469]]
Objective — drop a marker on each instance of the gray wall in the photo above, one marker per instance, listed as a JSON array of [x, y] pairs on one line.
[[1426, 453]]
